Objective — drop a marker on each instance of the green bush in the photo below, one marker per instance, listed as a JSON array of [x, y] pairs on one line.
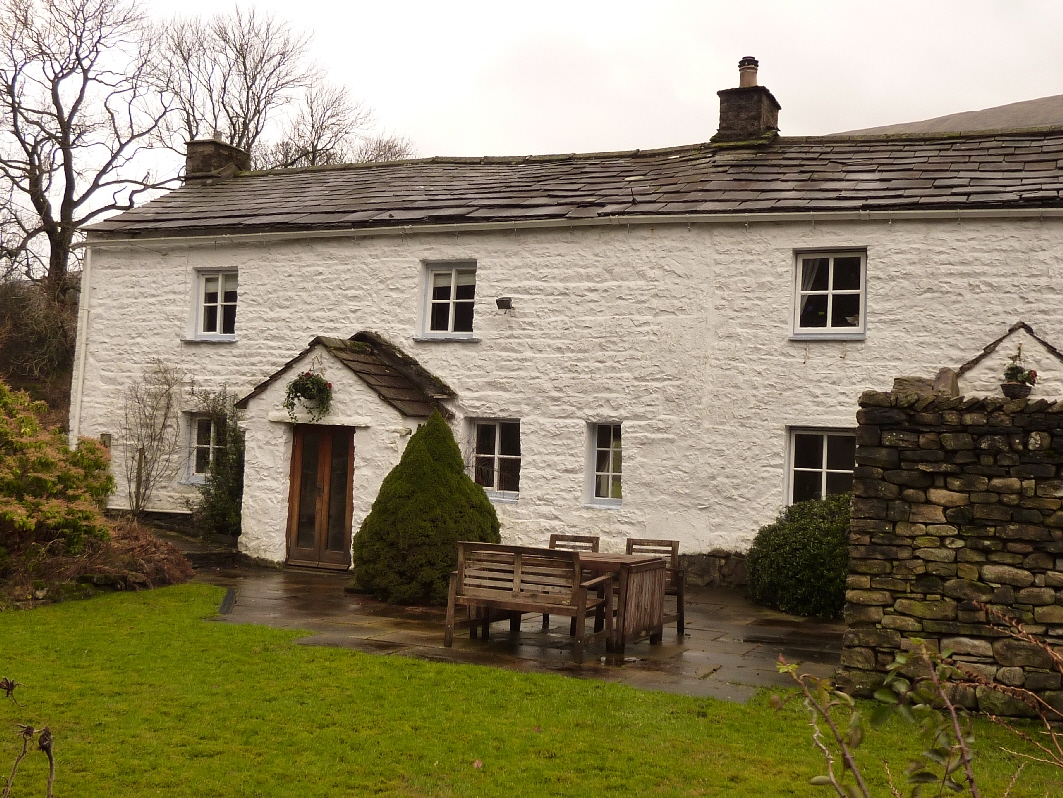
[[405, 549], [48, 492], [799, 563]]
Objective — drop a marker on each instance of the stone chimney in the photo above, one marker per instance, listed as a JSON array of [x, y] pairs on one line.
[[206, 158], [750, 112]]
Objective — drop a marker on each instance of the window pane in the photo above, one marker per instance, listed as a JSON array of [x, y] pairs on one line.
[[839, 483], [815, 274], [807, 485], [616, 460], [337, 498], [508, 473], [463, 316], [846, 274], [604, 435], [485, 438], [814, 310], [841, 452], [509, 439], [485, 471], [228, 319], [440, 316], [601, 464], [616, 488], [210, 289], [601, 486], [441, 285], [210, 318], [202, 465], [307, 521], [846, 310], [808, 451], [465, 285], [203, 426]]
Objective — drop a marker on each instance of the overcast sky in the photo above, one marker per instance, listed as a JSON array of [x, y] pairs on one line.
[[513, 78]]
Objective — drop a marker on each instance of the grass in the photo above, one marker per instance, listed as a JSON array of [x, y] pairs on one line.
[[145, 698]]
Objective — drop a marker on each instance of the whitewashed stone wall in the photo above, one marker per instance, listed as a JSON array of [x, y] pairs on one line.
[[679, 332]]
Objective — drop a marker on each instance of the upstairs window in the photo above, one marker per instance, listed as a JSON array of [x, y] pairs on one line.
[[830, 295], [451, 298], [217, 304], [821, 463], [606, 465], [496, 459]]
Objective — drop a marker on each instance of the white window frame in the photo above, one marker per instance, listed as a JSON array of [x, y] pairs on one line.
[[791, 450], [591, 498], [856, 333], [433, 268], [474, 428], [194, 420], [199, 314]]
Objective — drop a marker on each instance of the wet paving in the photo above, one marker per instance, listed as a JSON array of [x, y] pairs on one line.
[[729, 650]]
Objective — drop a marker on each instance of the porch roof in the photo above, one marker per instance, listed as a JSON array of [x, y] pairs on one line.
[[393, 375]]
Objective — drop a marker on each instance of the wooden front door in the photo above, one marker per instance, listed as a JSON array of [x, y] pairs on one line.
[[319, 503]]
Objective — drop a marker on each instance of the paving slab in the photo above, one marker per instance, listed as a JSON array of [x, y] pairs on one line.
[[728, 652]]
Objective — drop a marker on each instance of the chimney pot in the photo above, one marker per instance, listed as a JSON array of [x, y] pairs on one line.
[[747, 72], [749, 113]]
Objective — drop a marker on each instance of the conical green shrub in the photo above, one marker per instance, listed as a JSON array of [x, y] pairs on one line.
[[405, 549]]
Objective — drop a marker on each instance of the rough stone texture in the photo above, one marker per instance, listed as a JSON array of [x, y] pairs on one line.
[[988, 553]]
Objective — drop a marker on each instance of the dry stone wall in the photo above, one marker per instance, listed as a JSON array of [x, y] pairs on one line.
[[957, 504]]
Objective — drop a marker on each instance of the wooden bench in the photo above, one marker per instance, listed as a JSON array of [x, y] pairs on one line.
[[495, 582]]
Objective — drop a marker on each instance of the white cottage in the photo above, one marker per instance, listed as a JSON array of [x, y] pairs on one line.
[[664, 343]]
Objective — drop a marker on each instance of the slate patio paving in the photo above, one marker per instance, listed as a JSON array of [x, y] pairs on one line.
[[728, 652]]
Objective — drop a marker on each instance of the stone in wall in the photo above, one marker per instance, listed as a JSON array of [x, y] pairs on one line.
[[957, 506]]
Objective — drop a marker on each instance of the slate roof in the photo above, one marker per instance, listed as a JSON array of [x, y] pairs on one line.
[[825, 173], [396, 377]]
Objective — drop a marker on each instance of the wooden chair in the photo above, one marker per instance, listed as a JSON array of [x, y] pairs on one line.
[[675, 577], [571, 543]]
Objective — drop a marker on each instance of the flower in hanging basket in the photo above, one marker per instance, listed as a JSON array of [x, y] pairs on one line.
[[1018, 380], [1016, 370], [310, 390]]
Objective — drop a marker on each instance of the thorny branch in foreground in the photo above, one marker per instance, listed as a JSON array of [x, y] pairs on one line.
[[916, 687], [28, 733]]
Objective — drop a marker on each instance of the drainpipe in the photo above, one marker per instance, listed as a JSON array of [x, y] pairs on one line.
[[83, 342]]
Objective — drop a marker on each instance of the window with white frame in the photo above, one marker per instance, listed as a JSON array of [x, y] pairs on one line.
[[830, 294], [206, 439], [606, 464], [216, 312], [496, 455], [450, 299], [821, 463]]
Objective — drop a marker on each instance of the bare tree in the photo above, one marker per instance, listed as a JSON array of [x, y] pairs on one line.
[[383, 148], [231, 73], [77, 108], [330, 128], [244, 75], [151, 432]]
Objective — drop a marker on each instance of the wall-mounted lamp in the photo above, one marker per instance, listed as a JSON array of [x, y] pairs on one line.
[[504, 303], [105, 439]]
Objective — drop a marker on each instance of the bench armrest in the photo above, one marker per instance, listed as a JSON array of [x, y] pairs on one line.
[[597, 580]]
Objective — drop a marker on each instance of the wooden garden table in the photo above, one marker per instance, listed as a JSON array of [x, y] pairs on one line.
[[640, 602]]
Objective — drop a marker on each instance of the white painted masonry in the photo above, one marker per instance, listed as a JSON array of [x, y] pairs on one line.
[[681, 332]]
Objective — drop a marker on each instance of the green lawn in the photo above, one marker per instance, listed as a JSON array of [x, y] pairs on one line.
[[144, 697]]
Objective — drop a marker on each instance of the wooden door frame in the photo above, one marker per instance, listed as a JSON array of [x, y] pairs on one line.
[[294, 497]]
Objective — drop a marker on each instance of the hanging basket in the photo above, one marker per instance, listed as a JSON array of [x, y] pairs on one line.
[[1016, 390]]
